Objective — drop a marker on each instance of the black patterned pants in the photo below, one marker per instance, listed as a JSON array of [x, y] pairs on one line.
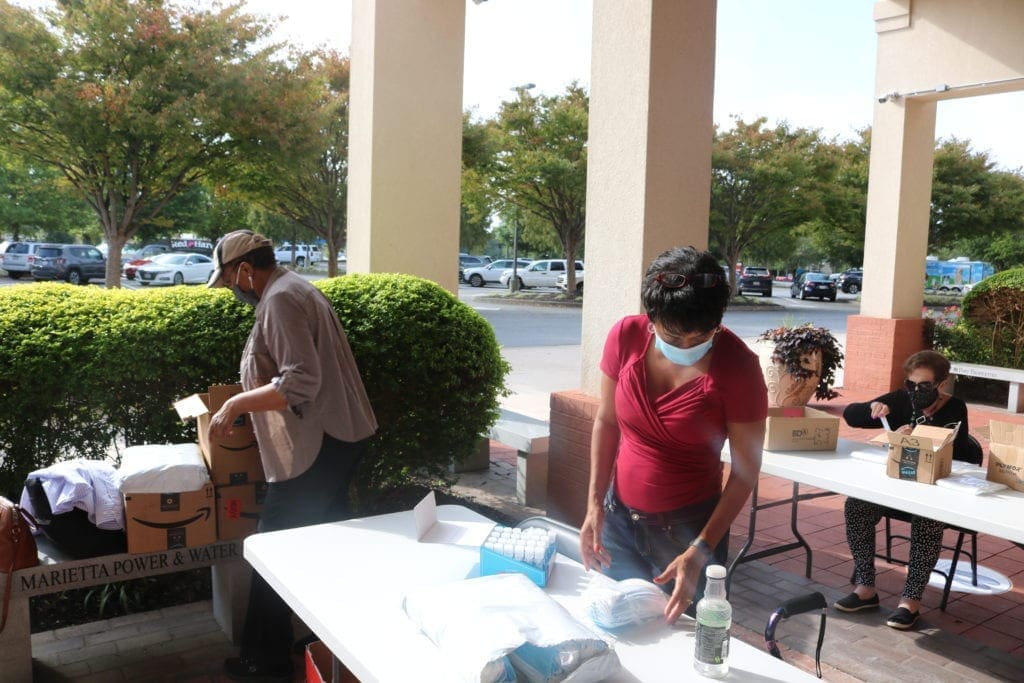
[[925, 544]]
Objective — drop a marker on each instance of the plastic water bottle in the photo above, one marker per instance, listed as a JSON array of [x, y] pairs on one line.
[[714, 618]]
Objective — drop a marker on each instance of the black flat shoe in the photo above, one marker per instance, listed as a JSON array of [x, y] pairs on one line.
[[245, 669], [854, 603], [902, 619]]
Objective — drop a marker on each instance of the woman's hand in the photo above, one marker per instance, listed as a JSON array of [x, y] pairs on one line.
[[878, 409], [592, 552], [685, 570]]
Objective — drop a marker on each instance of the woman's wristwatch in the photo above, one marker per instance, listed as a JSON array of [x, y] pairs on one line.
[[706, 550]]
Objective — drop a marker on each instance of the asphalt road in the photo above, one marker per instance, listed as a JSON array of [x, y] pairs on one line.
[[518, 325]]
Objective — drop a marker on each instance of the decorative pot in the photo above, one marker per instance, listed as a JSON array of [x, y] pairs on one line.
[[784, 390]]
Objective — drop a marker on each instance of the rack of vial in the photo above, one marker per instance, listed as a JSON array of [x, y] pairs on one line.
[[528, 551]]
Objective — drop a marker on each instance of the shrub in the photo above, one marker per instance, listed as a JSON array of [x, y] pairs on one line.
[[993, 312], [84, 368]]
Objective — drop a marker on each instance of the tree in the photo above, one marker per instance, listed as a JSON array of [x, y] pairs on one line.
[[763, 181], [132, 101], [976, 210], [838, 231], [35, 200], [295, 160], [541, 166]]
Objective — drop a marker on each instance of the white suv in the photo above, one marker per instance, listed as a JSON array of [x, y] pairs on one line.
[[539, 273], [305, 254], [17, 260]]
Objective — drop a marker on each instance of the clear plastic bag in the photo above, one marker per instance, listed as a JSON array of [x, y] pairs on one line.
[[615, 604]]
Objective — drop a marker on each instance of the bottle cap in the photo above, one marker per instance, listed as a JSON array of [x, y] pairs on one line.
[[715, 571]]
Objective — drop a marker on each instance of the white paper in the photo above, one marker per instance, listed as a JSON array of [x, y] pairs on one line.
[[969, 484], [430, 530], [871, 455], [425, 515]]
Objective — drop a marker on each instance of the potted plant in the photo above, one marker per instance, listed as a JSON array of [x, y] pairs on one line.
[[802, 363]]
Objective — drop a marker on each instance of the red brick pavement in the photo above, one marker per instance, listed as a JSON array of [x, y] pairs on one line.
[[996, 621]]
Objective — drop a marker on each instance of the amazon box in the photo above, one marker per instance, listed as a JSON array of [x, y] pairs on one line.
[[239, 508], [233, 459], [164, 521], [800, 429], [925, 455], [1006, 454]]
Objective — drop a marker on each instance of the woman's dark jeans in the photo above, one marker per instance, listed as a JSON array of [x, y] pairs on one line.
[[641, 549]]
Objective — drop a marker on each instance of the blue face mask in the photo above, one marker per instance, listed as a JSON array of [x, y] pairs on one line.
[[690, 356]]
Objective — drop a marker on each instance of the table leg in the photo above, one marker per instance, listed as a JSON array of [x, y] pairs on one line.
[[800, 542]]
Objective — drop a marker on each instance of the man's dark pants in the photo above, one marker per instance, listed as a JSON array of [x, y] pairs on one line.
[[320, 494]]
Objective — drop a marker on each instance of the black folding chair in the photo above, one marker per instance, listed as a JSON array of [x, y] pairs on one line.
[[798, 605]]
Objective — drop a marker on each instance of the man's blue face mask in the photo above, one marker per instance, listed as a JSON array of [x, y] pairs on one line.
[[679, 356]]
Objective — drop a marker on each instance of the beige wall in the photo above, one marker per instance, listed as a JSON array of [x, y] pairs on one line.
[[649, 157], [951, 42], [406, 137]]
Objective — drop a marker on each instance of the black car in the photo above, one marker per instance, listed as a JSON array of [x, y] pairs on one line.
[[850, 281], [816, 285], [756, 279]]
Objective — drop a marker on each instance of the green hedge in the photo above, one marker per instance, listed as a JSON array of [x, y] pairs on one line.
[[991, 326], [82, 368]]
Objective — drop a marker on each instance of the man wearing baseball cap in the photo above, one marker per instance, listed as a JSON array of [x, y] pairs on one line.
[[311, 416]]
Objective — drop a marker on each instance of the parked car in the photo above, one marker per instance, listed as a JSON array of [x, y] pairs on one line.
[[176, 269], [543, 273], [141, 257], [305, 254], [76, 263], [755, 279], [563, 282], [850, 281], [478, 276], [18, 257], [468, 261], [817, 285]]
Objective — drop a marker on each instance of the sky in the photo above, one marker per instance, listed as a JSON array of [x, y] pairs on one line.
[[808, 62]]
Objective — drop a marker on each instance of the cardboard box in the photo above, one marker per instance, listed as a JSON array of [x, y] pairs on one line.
[[924, 455], [238, 509], [1006, 454], [800, 429], [164, 521], [233, 459]]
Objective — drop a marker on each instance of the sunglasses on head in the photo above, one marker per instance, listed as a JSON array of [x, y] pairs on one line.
[[697, 280], [919, 386]]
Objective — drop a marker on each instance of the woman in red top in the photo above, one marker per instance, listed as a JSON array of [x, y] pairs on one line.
[[676, 385]]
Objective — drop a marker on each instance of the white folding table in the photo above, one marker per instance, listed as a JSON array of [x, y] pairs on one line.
[[346, 581], [998, 514]]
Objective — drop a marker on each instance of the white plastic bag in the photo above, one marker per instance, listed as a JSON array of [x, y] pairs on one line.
[[477, 622]]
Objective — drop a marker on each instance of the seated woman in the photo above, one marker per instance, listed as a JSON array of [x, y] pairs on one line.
[[919, 402]]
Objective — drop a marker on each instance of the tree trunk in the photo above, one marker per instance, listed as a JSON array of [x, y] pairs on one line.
[[115, 245]]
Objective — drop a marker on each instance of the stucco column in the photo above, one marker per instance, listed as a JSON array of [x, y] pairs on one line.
[[889, 327], [648, 189], [649, 158], [405, 137]]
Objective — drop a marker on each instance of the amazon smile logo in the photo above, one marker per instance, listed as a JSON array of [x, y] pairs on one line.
[[246, 447], [203, 513]]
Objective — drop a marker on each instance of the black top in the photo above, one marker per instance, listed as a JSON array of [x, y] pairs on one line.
[[902, 413]]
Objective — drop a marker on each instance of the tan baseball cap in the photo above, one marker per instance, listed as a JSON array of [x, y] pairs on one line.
[[232, 246]]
